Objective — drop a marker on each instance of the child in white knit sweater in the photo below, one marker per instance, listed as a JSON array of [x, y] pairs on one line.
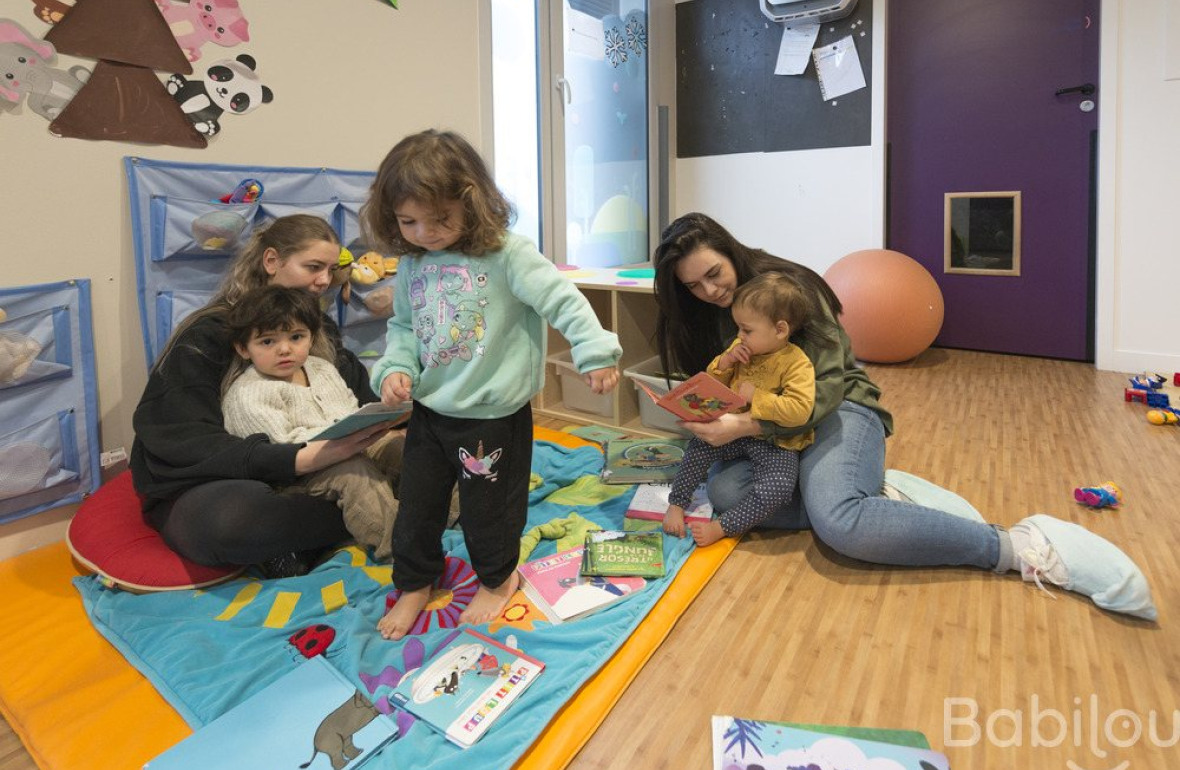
[[285, 387]]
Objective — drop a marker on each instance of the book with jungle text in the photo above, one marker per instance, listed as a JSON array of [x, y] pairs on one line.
[[467, 685], [366, 416], [618, 553], [700, 398], [309, 711], [642, 460], [554, 584]]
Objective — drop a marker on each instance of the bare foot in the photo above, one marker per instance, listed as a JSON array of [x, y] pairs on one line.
[[674, 521], [488, 603], [401, 616], [706, 532]]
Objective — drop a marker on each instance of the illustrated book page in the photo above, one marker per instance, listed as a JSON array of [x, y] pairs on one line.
[[554, 584], [700, 398], [642, 460]]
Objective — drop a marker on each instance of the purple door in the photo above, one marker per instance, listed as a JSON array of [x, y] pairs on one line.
[[973, 107]]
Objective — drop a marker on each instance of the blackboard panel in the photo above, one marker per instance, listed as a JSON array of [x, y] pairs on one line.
[[728, 98]]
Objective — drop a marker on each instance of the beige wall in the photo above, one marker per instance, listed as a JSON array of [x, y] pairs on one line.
[[350, 79]]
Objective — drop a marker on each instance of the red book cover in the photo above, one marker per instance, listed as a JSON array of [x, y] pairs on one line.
[[700, 398]]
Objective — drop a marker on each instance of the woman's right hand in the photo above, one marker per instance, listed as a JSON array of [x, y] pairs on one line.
[[395, 388], [725, 428], [317, 455]]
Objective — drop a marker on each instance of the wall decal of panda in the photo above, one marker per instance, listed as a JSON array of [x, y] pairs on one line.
[[227, 85]]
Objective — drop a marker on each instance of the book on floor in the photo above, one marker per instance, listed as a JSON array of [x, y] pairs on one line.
[[700, 398], [467, 685], [310, 711], [651, 503], [748, 743], [554, 584], [642, 460], [617, 553], [368, 415]]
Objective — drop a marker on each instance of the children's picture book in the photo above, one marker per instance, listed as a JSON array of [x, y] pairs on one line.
[[642, 460], [651, 503], [309, 717], [700, 398], [367, 415], [739, 744], [596, 433], [554, 584], [617, 553], [467, 685]]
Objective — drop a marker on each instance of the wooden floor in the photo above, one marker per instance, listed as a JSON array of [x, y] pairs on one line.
[[789, 630]]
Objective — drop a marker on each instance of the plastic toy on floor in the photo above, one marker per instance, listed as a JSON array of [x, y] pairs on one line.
[[1107, 495], [1163, 416], [1148, 381]]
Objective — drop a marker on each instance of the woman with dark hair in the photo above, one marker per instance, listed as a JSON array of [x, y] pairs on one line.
[[699, 266]]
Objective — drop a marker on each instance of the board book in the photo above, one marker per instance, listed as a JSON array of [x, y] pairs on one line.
[[366, 416], [700, 398], [286, 724], [642, 460], [651, 504], [616, 553], [554, 585], [467, 685], [739, 744]]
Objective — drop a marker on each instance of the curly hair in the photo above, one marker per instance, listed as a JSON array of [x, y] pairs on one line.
[[433, 168]]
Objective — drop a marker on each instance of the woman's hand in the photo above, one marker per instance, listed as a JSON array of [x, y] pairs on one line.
[[317, 455], [395, 388], [602, 380], [725, 428]]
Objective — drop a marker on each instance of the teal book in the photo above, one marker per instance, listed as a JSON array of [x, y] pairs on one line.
[[642, 460], [367, 416], [310, 717], [739, 744]]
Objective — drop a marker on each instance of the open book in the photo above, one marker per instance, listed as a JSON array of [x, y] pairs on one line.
[[366, 416], [651, 503], [700, 398], [554, 585]]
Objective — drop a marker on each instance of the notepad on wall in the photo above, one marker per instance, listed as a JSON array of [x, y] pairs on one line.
[[838, 68]]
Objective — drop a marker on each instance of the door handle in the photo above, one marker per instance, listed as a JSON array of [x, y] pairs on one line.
[[1085, 89]]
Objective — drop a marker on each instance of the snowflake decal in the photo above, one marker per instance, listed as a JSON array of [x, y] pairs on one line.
[[636, 36], [616, 47]]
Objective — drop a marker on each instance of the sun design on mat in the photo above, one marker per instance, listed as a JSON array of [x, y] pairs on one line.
[[520, 613], [448, 597]]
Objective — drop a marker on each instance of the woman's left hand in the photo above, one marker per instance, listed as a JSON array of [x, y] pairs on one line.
[[602, 380], [725, 428]]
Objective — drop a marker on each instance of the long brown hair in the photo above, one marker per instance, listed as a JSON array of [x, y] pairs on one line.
[[691, 332], [435, 167], [286, 235]]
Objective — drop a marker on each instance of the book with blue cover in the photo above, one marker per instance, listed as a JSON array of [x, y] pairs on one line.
[[310, 717]]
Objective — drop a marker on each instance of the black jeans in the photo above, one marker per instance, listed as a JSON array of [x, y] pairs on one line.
[[491, 460]]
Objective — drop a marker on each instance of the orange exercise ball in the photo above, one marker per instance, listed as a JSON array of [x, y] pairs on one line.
[[892, 305]]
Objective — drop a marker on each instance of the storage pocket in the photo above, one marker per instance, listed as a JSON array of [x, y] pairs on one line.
[[365, 340], [36, 347], [172, 307], [188, 227], [368, 303], [270, 210], [36, 459]]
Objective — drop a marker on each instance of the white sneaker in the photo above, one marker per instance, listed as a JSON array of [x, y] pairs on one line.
[[1076, 559], [893, 493]]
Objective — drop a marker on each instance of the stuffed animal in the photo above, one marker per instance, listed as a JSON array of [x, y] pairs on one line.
[[25, 70], [200, 21], [17, 353], [1106, 495], [230, 85], [368, 269]]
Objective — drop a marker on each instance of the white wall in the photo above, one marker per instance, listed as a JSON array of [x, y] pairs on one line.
[[349, 81], [826, 203], [1138, 321]]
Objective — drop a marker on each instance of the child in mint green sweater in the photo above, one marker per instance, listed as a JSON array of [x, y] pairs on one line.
[[467, 343]]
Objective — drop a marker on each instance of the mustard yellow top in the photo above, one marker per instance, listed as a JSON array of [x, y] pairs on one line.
[[785, 389]]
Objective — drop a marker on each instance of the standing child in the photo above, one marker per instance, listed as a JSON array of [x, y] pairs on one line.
[[467, 343], [778, 380], [279, 388]]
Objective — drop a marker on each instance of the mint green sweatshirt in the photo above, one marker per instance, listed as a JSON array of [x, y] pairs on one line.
[[470, 331]]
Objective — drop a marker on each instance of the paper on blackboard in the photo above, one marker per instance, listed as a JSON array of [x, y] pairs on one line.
[[838, 68]]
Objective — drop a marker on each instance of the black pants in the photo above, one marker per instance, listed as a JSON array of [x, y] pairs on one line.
[[237, 521], [491, 460]]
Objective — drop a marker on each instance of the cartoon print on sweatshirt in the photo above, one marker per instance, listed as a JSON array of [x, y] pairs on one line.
[[448, 304], [478, 464]]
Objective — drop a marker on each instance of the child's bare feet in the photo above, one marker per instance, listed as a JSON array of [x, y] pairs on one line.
[[401, 616], [706, 532], [674, 521], [488, 603]]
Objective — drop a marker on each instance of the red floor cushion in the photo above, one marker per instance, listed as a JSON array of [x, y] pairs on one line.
[[109, 536]]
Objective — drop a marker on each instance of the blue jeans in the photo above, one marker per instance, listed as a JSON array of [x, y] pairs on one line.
[[840, 478]]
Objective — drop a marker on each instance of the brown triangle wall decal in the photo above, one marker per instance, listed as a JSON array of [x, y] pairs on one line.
[[127, 31], [122, 103]]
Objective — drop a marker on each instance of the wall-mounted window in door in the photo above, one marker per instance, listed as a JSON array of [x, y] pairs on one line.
[[982, 233]]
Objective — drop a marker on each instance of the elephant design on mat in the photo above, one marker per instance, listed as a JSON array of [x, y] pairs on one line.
[[334, 735]]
